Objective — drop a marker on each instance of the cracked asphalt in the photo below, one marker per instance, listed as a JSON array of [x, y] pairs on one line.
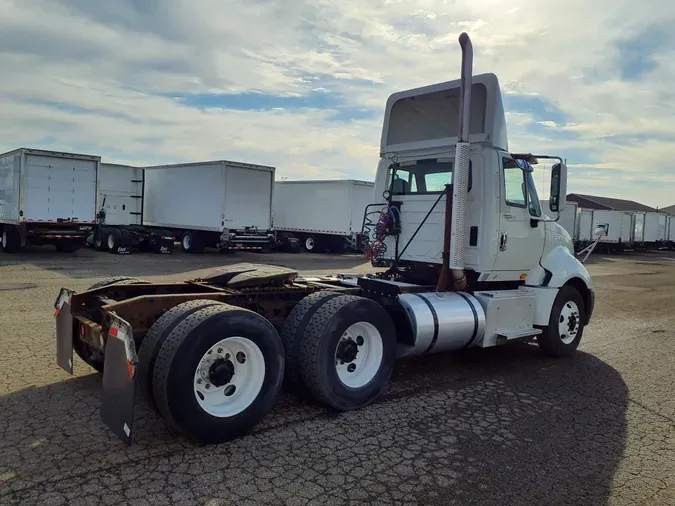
[[500, 426]]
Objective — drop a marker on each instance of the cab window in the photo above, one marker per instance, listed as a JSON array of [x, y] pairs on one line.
[[423, 177], [514, 184]]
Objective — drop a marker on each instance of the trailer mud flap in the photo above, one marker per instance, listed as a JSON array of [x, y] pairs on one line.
[[119, 371], [64, 330]]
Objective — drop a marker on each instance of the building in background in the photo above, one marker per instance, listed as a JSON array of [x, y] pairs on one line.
[[607, 204]]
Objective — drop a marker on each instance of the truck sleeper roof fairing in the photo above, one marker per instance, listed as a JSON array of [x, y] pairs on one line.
[[428, 117]]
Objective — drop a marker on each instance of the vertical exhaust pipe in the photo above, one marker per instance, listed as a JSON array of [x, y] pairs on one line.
[[461, 172]]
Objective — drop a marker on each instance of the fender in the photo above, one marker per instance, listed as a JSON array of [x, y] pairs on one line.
[[558, 268]]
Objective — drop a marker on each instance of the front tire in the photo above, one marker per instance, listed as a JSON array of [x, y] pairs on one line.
[[566, 324], [218, 373], [347, 352], [11, 240]]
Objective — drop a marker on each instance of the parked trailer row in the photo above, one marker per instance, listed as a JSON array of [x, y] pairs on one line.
[[617, 230], [218, 204]]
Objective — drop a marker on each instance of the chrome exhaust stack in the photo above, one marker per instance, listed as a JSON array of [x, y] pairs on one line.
[[461, 171]]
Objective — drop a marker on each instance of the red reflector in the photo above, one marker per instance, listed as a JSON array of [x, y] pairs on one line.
[[82, 329], [113, 332]]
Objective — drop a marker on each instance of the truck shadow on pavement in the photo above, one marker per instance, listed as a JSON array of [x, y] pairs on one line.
[[497, 426]]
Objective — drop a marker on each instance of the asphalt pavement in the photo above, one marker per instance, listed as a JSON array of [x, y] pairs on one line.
[[503, 426]]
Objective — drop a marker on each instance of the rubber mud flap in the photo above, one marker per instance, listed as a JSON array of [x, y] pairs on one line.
[[119, 382], [64, 331]]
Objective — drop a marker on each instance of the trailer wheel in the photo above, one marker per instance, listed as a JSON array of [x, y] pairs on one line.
[[566, 324], [218, 373], [293, 330], [347, 352], [101, 241], [192, 243], [114, 240], [310, 244], [11, 240], [153, 340]]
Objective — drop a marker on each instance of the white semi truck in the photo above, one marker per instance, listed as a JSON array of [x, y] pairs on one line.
[[47, 197], [321, 215], [220, 204], [472, 262]]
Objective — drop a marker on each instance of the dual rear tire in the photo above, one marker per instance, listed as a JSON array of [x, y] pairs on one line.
[[340, 349], [211, 370]]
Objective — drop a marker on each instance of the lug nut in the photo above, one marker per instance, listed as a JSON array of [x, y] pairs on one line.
[[359, 340], [208, 386], [199, 382], [220, 350], [351, 367], [227, 356]]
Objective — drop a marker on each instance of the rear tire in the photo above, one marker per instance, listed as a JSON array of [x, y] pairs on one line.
[[345, 332], [293, 331], [101, 241], [310, 244], [566, 324], [184, 368], [153, 340], [11, 240], [192, 242], [114, 240]]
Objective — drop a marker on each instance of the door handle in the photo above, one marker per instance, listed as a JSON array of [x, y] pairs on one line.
[[502, 241]]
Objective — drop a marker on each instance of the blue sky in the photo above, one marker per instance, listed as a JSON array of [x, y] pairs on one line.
[[302, 85]]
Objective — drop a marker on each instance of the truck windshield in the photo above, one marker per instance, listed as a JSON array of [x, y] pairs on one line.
[[422, 177]]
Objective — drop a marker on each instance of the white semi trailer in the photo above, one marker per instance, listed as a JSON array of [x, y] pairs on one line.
[[120, 203], [220, 204], [47, 197], [472, 262], [321, 215]]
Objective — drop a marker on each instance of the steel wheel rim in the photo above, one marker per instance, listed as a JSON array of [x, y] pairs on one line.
[[569, 322], [237, 393], [359, 370], [187, 242], [4, 238], [111, 242], [309, 243]]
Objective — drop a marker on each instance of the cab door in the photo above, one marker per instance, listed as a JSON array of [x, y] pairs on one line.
[[520, 236]]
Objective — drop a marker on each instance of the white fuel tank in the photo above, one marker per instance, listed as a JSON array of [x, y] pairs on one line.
[[442, 321]]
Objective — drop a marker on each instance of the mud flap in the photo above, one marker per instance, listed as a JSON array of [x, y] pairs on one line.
[[64, 330], [119, 385]]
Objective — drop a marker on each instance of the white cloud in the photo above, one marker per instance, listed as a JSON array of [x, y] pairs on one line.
[[114, 61]]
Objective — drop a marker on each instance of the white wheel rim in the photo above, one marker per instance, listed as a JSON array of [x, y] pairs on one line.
[[4, 239], [111, 242], [187, 242], [239, 392], [358, 371], [309, 243], [569, 322]]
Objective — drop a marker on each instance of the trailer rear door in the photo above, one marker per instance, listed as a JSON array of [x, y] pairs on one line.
[[248, 197], [56, 188]]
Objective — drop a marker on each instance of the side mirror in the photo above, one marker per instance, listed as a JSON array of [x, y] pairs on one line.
[[558, 198]]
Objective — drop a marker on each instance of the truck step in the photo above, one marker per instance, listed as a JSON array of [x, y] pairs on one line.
[[518, 333]]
